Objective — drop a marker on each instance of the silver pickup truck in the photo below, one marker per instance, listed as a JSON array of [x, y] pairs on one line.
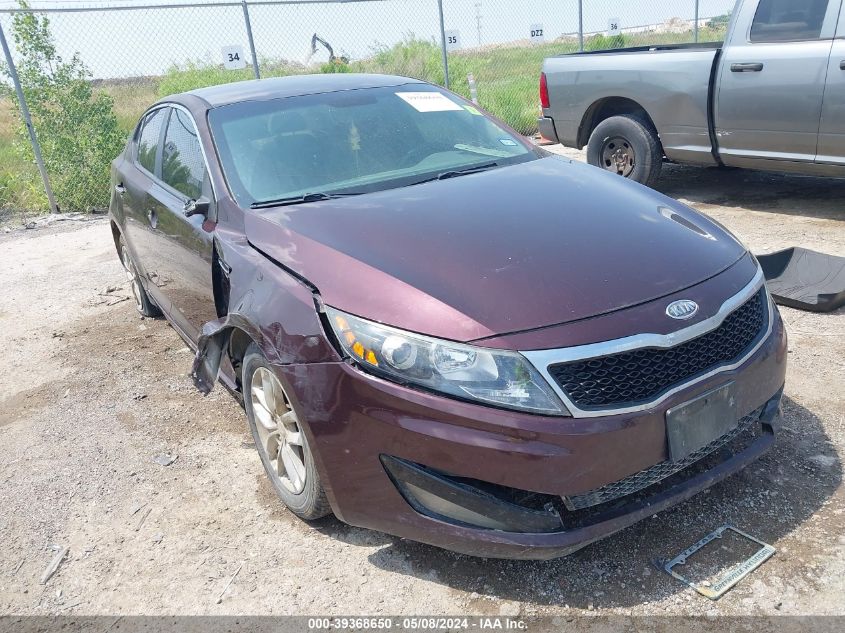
[[772, 97]]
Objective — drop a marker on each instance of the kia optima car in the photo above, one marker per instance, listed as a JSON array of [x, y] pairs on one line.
[[437, 329]]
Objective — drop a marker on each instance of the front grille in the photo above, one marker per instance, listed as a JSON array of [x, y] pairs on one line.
[[748, 425], [642, 375]]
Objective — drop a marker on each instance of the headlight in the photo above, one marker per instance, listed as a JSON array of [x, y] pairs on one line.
[[496, 377]]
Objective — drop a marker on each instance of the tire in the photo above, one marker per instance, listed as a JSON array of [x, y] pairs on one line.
[[143, 303], [629, 146], [300, 489]]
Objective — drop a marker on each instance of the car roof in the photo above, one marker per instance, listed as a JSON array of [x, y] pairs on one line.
[[292, 86]]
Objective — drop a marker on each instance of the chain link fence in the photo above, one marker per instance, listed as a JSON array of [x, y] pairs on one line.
[[138, 51]]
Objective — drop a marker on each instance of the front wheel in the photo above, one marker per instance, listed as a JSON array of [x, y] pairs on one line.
[[627, 146], [280, 439]]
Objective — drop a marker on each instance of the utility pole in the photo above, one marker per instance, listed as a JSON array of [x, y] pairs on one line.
[[33, 139], [443, 44], [478, 20], [581, 25]]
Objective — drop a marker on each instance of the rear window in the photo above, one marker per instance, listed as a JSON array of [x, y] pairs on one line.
[[354, 141], [788, 20]]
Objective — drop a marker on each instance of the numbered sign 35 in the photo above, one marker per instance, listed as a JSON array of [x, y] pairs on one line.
[[614, 26], [453, 40], [233, 57], [537, 36]]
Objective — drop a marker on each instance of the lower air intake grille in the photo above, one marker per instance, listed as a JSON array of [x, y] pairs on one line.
[[658, 472]]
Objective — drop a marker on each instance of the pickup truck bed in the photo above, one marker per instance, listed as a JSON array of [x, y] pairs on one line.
[[674, 92], [771, 97]]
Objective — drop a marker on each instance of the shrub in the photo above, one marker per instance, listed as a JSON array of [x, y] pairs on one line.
[[197, 74], [604, 42], [77, 129]]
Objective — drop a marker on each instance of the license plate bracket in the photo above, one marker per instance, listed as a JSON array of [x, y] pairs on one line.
[[695, 424], [732, 576]]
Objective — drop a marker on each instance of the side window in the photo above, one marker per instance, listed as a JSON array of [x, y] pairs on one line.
[[788, 20], [148, 140], [182, 165]]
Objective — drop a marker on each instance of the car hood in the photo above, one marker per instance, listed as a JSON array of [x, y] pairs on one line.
[[521, 247]]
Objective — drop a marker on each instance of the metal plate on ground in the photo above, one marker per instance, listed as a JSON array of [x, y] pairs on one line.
[[693, 425], [716, 589]]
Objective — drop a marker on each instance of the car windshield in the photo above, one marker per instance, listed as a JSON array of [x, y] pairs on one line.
[[355, 141]]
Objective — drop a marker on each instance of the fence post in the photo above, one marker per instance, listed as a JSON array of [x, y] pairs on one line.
[[581, 25], [33, 139], [443, 44], [248, 25], [695, 28]]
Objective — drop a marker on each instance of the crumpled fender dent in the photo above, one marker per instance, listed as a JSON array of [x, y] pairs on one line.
[[262, 293]]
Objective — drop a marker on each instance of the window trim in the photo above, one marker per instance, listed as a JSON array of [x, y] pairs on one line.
[[170, 105]]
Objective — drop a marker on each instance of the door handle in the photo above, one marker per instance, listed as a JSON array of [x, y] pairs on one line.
[[752, 67], [842, 65], [119, 188], [152, 217]]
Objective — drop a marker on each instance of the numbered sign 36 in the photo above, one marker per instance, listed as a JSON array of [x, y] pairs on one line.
[[614, 26], [537, 36], [233, 57], [453, 40]]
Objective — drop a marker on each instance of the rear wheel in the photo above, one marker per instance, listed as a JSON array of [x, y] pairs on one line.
[[143, 303], [627, 146], [280, 439]]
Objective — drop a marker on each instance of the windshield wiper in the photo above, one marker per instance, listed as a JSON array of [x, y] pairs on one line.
[[306, 197], [454, 173]]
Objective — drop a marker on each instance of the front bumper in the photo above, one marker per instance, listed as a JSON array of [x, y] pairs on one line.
[[356, 420]]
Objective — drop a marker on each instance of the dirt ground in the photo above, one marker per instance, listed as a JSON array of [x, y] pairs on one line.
[[90, 394]]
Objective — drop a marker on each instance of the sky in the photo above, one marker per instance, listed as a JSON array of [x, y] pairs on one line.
[[147, 41]]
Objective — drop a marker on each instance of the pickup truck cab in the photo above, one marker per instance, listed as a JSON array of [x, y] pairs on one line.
[[772, 97]]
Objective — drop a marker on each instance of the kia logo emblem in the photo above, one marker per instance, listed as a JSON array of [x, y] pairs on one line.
[[683, 309]]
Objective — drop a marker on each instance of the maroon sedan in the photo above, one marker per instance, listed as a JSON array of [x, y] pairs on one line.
[[437, 329]]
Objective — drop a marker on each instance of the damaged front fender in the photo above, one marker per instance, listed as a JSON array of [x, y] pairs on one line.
[[276, 310]]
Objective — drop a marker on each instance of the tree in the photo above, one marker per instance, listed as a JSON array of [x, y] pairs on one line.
[[76, 127]]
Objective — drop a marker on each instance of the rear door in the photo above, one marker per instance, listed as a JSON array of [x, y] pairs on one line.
[[183, 244], [136, 180], [832, 128], [772, 80]]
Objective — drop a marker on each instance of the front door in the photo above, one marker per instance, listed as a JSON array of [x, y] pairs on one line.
[[772, 80], [832, 128], [183, 244]]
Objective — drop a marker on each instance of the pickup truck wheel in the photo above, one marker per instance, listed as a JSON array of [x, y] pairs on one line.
[[627, 146], [143, 303], [280, 439]]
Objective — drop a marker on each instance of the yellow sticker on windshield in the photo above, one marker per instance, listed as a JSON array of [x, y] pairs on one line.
[[472, 110]]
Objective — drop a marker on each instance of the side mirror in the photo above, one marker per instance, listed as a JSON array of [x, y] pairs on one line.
[[200, 206]]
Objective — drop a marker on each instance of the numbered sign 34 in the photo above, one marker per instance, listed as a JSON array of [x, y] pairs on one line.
[[537, 36], [614, 26], [453, 40], [233, 57]]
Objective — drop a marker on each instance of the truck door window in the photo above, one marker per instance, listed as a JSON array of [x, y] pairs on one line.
[[788, 20]]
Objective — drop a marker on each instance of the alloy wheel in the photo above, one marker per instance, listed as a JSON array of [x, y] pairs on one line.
[[280, 435]]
